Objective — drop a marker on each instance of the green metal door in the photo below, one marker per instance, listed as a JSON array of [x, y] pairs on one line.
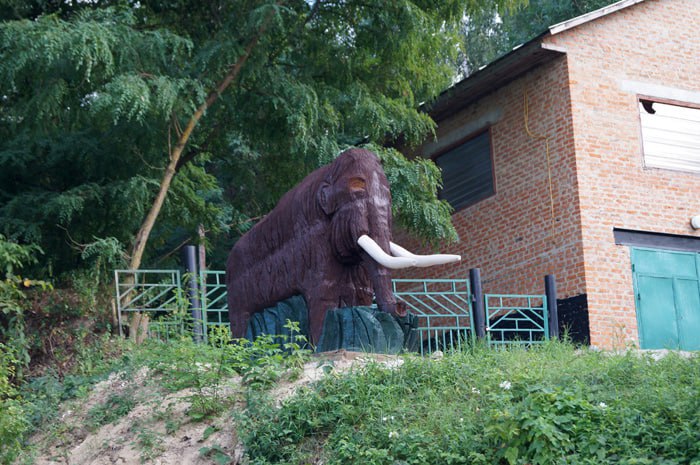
[[667, 289]]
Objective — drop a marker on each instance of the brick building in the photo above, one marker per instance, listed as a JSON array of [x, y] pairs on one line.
[[578, 154]]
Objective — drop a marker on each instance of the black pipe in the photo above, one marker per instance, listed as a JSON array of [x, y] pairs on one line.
[[477, 303], [550, 289]]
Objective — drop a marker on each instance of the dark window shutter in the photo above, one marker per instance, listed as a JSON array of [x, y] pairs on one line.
[[467, 172]]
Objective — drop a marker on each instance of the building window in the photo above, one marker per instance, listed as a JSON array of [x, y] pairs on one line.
[[467, 172], [670, 135]]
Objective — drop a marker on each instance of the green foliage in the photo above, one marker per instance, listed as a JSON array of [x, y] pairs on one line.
[[87, 99], [103, 256], [36, 401], [204, 368], [44, 393], [117, 405], [13, 300], [216, 453], [540, 424], [414, 186], [263, 361], [150, 443], [489, 32], [550, 404], [543, 405], [14, 256], [96, 94], [13, 419]]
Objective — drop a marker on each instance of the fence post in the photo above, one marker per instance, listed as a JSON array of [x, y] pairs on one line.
[[119, 303], [190, 253], [550, 289], [201, 272], [477, 303]]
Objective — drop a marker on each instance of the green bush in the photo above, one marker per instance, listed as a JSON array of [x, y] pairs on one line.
[[12, 300], [14, 346], [547, 405]]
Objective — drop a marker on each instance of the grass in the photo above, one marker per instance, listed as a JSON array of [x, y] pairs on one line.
[[547, 405], [551, 404]]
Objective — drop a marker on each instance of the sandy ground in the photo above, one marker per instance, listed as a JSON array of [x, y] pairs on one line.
[[158, 429]]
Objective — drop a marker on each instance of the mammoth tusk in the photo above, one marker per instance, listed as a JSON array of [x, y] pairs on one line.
[[423, 260], [375, 251]]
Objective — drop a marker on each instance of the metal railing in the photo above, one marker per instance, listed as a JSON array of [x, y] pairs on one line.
[[443, 311], [213, 297], [516, 319], [157, 293]]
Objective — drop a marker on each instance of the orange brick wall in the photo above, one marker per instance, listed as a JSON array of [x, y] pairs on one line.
[[513, 237], [655, 42], [581, 104]]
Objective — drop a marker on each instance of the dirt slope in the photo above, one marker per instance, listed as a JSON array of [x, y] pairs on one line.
[[157, 428]]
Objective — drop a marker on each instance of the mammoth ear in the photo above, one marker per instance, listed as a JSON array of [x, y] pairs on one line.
[[324, 196]]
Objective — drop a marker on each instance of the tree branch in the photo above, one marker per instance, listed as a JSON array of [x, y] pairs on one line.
[[170, 171]]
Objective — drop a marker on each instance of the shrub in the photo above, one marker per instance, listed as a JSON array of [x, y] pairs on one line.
[[12, 299]]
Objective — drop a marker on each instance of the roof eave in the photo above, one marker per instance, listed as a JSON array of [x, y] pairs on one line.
[[512, 65], [497, 74], [591, 16]]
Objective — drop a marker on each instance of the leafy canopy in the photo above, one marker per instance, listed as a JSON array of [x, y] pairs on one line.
[[94, 95], [489, 32]]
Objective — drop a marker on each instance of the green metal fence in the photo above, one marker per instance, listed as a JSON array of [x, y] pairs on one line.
[[213, 289], [443, 310], [212, 286], [516, 319], [156, 293]]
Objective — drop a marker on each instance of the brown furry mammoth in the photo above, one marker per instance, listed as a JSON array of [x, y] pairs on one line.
[[329, 240]]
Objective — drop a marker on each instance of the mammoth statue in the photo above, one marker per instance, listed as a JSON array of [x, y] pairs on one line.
[[328, 240]]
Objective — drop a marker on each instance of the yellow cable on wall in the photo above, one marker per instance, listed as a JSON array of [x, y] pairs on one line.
[[549, 166]]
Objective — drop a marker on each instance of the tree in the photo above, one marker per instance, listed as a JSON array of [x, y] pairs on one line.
[[489, 32], [78, 154], [213, 109]]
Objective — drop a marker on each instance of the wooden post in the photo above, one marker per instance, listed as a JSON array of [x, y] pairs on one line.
[[202, 249]]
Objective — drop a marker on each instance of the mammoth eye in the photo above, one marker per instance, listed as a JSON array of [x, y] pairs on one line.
[[356, 184]]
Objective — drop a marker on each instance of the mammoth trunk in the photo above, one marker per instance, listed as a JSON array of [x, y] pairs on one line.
[[347, 225], [380, 277]]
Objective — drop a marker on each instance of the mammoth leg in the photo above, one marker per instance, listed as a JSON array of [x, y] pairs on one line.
[[318, 307], [239, 322], [239, 310]]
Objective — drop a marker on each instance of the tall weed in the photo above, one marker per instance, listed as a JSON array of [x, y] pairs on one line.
[[13, 421]]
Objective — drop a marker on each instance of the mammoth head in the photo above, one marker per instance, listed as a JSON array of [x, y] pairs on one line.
[[355, 196]]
